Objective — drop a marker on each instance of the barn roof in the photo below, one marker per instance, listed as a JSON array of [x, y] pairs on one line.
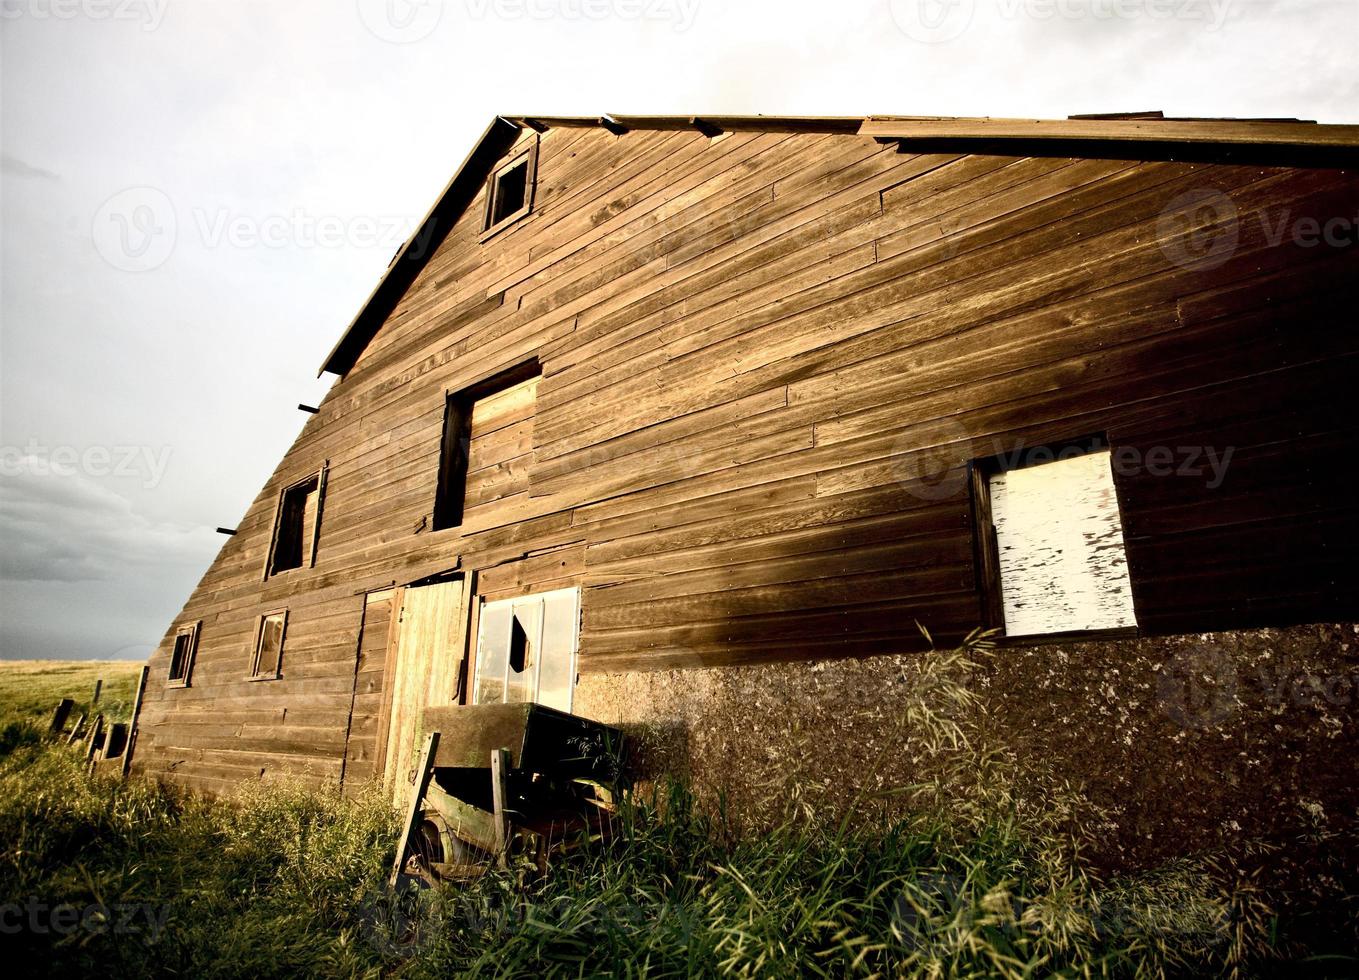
[[1136, 136]]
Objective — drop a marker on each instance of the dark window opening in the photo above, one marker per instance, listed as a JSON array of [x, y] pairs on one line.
[[268, 660], [511, 191], [457, 439], [297, 524], [181, 658], [450, 498], [519, 643]]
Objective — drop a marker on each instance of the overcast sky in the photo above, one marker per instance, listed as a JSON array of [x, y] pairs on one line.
[[197, 196]]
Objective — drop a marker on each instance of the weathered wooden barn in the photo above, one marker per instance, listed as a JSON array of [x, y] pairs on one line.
[[700, 396]]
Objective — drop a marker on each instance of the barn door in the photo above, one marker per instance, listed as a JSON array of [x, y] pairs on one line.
[[424, 671]]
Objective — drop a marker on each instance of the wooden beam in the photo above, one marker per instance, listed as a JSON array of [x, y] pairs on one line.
[[706, 127], [845, 125], [132, 721], [500, 774], [1245, 132], [75, 730], [413, 811], [1243, 141]]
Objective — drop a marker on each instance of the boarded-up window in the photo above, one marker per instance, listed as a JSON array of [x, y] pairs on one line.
[[1059, 547], [526, 649], [268, 661], [487, 446], [297, 524], [181, 657]]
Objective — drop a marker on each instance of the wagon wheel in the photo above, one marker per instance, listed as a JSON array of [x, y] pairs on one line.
[[436, 852]]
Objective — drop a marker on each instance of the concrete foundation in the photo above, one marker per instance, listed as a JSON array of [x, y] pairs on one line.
[[1187, 742]]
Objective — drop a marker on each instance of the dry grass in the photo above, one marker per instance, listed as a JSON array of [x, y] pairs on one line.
[[985, 879], [30, 689]]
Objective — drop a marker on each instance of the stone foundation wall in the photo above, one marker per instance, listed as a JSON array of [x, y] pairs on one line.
[[1188, 742]]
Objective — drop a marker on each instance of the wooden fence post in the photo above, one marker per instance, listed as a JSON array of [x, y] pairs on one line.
[[132, 722], [63, 709], [96, 729]]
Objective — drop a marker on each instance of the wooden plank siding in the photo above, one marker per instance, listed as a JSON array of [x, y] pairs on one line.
[[758, 355]]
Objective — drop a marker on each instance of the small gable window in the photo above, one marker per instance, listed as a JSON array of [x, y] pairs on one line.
[[297, 525], [181, 657], [267, 663], [509, 192]]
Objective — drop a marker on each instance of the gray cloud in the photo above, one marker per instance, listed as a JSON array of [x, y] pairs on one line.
[[14, 167], [73, 529]]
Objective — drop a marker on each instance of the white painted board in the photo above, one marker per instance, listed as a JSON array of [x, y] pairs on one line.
[[1060, 537]]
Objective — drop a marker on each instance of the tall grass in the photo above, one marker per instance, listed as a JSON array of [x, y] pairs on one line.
[[984, 878]]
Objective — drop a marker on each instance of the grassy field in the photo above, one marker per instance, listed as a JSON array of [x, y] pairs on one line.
[[123, 878], [30, 689]]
